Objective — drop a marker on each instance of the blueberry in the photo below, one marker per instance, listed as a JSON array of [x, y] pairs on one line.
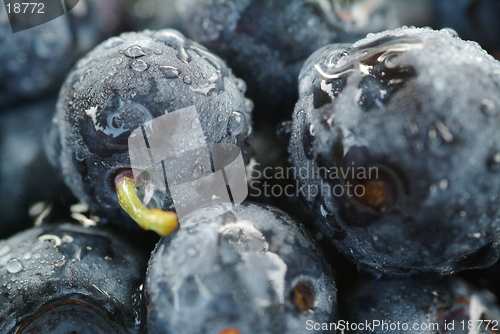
[[250, 270], [266, 42], [127, 81], [30, 188], [411, 306], [34, 62], [70, 279], [473, 20], [396, 142]]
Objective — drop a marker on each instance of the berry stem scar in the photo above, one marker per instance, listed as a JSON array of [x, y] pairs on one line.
[[162, 222]]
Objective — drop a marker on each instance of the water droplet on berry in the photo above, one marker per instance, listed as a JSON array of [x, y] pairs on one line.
[[301, 115], [14, 266], [192, 252], [195, 123], [197, 170], [134, 51], [174, 40], [488, 107], [248, 105], [241, 85], [449, 31], [187, 80], [236, 123], [324, 214], [139, 65], [112, 70], [170, 72]]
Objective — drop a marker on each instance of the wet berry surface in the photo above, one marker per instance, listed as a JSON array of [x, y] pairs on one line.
[[250, 166]]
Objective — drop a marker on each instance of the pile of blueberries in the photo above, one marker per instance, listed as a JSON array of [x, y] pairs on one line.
[[389, 137]]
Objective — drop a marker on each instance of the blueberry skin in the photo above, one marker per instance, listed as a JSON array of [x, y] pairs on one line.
[[239, 270], [421, 303], [421, 106], [473, 20], [126, 81], [26, 176], [34, 62], [266, 42], [65, 278]]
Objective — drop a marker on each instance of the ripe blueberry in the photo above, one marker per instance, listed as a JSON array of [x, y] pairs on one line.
[[397, 144], [70, 279], [125, 82], [250, 270], [412, 306]]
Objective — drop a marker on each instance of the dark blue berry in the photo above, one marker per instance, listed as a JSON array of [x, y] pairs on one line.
[[132, 79], [411, 306], [409, 119], [70, 279], [253, 269]]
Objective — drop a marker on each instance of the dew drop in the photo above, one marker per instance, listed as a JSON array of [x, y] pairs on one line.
[[14, 266], [112, 70], [192, 252], [195, 123], [175, 40], [301, 115], [134, 51], [241, 85], [170, 72], [449, 31], [487, 107], [197, 170], [248, 105], [336, 231], [139, 65], [236, 123], [187, 80]]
